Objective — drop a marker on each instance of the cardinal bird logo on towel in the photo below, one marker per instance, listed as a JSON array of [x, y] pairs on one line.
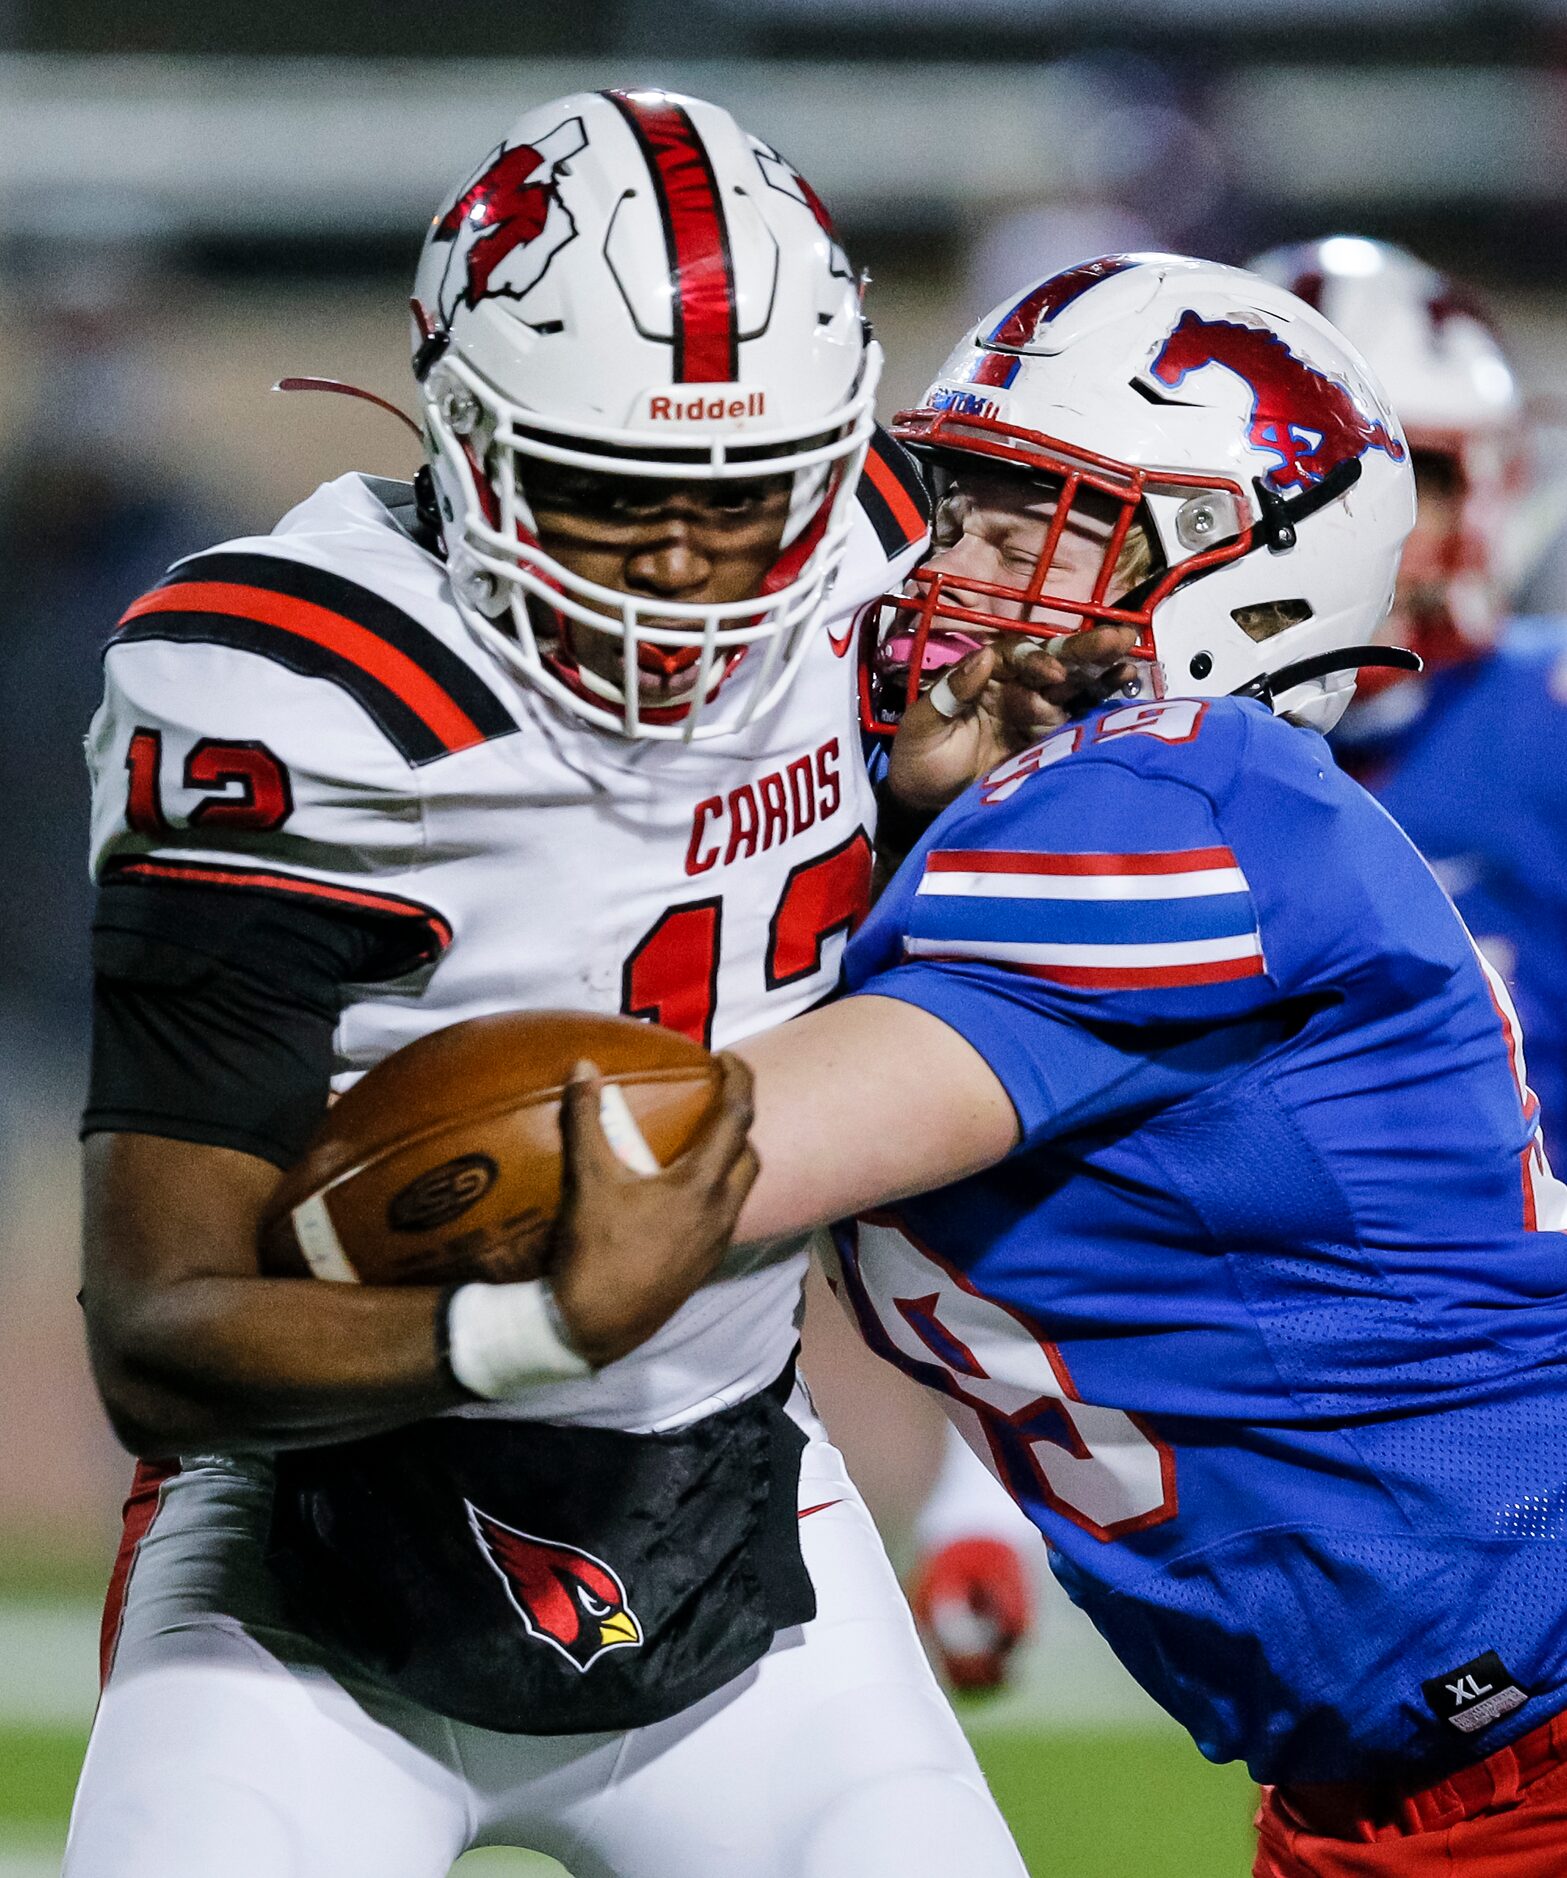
[[509, 223], [565, 1597]]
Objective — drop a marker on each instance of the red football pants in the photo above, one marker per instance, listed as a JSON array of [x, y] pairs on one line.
[[1505, 1817]]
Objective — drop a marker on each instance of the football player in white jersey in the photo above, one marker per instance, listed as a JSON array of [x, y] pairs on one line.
[[570, 722]]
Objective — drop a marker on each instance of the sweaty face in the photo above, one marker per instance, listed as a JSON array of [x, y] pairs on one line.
[[705, 543], [991, 527]]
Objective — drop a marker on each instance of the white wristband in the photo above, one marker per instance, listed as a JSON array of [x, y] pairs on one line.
[[506, 1338], [942, 698]]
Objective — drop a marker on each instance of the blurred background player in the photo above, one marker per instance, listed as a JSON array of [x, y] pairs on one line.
[[1468, 755]]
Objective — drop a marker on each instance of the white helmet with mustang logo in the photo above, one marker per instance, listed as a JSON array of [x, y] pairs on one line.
[[1232, 453], [632, 287]]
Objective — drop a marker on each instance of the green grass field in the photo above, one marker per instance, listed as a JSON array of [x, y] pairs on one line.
[[1111, 1804], [1119, 1805]]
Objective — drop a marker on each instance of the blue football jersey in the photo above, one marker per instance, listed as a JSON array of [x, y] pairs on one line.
[[1264, 1321], [1479, 783]]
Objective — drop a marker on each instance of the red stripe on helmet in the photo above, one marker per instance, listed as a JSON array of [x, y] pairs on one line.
[[1041, 304], [696, 236]]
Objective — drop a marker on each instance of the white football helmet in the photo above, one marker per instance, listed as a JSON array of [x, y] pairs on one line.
[[1455, 394], [631, 285], [1228, 419]]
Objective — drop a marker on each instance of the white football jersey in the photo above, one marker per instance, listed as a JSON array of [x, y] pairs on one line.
[[307, 713]]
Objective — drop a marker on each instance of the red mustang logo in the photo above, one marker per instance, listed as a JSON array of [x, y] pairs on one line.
[[509, 223], [1309, 421], [565, 1597]]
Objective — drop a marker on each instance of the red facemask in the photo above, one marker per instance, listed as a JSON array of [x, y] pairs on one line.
[[912, 636]]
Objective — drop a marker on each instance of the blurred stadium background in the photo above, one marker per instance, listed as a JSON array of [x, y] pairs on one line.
[[197, 199]]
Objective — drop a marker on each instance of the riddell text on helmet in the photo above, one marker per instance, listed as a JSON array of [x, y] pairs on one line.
[[705, 410]]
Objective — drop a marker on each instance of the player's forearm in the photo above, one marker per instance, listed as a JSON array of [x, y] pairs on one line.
[[862, 1103], [192, 1349], [231, 1364]]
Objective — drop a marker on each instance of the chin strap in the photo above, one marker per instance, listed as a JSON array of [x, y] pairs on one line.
[[1280, 516], [1267, 686]]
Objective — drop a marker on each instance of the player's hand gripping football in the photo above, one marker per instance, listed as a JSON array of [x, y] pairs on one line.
[[975, 1604], [1008, 695], [629, 1248]]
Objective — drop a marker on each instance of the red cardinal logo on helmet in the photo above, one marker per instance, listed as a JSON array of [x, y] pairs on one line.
[[509, 223], [780, 174], [565, 1597], [1308, 420]]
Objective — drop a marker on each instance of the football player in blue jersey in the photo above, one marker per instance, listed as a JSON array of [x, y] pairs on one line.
[[1468, 755], [1179, 1126]]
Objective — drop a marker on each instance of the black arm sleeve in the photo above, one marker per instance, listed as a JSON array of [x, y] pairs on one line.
[[214, 1008]]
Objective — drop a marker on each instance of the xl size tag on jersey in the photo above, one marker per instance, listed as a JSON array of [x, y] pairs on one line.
[[1475, 1694]]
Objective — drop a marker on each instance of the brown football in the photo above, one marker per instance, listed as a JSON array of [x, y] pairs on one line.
[[443, 1163]]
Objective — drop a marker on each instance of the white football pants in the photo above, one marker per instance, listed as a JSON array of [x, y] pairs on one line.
[[226, 1743]]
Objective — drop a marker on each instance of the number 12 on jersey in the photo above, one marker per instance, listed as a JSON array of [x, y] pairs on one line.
[[671, 974]]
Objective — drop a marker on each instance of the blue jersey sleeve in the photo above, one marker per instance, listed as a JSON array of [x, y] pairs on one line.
[[1143, 902], [1062, 1073], [1088, 926]]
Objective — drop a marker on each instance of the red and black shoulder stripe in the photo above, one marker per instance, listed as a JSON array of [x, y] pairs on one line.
[[893, 495], [425, 933], [425, 699]]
